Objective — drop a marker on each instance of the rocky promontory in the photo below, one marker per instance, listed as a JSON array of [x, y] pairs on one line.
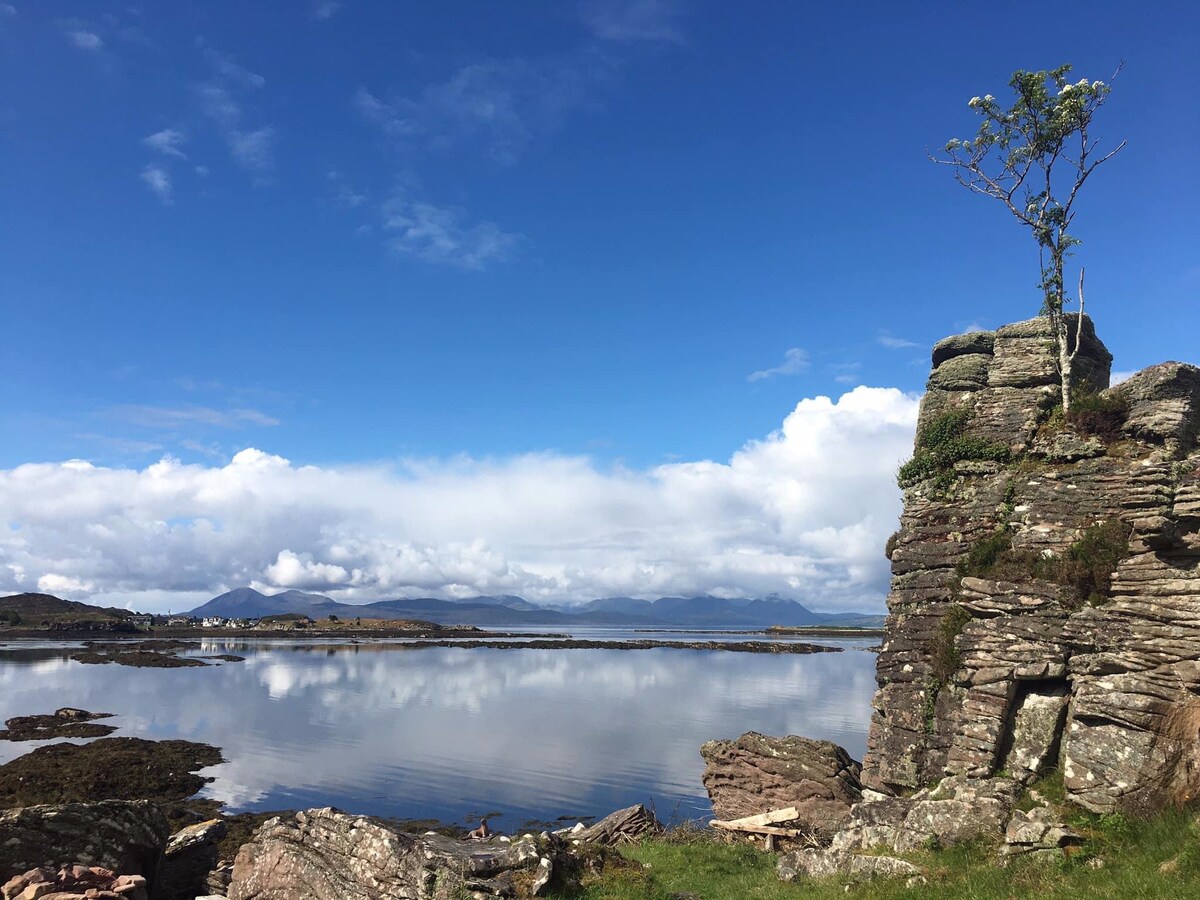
[[1043, 619], [1045, 601]]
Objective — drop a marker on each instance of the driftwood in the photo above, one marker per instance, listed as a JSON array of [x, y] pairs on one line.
[[625, 826], [768, 829], [766, 824], [749, 823]]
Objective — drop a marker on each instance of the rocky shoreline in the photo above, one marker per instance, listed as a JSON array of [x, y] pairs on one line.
[[166, 654], [587, 644], [118, 817]]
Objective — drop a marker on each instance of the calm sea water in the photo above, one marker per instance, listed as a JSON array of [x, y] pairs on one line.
[[450, 733]]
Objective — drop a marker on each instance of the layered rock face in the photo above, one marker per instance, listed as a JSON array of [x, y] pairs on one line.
[[1012, 672]]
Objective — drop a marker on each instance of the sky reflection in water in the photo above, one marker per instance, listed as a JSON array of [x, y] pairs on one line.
[[445, 733]]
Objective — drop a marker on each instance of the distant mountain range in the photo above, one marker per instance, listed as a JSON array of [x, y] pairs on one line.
[[674, 612]]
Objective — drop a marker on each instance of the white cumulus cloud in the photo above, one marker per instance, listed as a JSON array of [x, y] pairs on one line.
[[803, 512]]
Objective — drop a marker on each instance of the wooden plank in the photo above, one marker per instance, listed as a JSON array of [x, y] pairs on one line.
[[760, 829], [768, 818]]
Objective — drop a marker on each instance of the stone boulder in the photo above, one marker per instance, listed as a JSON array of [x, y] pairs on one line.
[[324, 854], [756, 774], [123, 836], [1038, 832]]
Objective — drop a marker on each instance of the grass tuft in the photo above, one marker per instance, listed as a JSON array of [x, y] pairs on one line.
[[941, 444]]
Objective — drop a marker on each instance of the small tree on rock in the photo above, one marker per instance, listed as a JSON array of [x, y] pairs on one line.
[[1033, 157]]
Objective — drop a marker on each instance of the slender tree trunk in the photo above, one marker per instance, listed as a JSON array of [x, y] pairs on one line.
[[1064, 364], [1059, 329]]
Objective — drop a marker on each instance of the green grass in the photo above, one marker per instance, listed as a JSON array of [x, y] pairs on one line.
[[941, 444], [1132, 852], [1086, 566]]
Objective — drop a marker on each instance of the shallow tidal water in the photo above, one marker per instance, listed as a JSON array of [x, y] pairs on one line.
[[451, 733]]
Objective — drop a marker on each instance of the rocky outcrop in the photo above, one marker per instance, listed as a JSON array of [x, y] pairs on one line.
[[1022, 664], [188, 859], [756, 774], [323, 854], [124, 837], [956, 810]]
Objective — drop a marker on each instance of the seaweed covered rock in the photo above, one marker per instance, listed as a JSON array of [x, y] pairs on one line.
[[324, 854], [106, 769], [67, 722]]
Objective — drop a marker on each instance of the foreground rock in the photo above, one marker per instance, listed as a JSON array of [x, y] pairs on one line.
[[67, 722], [125, 837], [756, 774], [323, 854]]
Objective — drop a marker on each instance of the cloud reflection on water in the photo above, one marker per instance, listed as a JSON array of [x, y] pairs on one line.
[[447, 732]]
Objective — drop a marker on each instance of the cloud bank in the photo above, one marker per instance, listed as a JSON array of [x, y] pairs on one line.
[[803, 512]]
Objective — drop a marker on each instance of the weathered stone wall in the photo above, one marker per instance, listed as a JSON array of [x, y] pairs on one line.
[[1112, 691]]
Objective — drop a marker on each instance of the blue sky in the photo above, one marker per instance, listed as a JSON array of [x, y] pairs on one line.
[[367, 233]]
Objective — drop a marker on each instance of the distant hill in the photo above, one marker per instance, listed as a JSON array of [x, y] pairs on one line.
[[628, 612], [627, 605], [33, 609], [247, 603]]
